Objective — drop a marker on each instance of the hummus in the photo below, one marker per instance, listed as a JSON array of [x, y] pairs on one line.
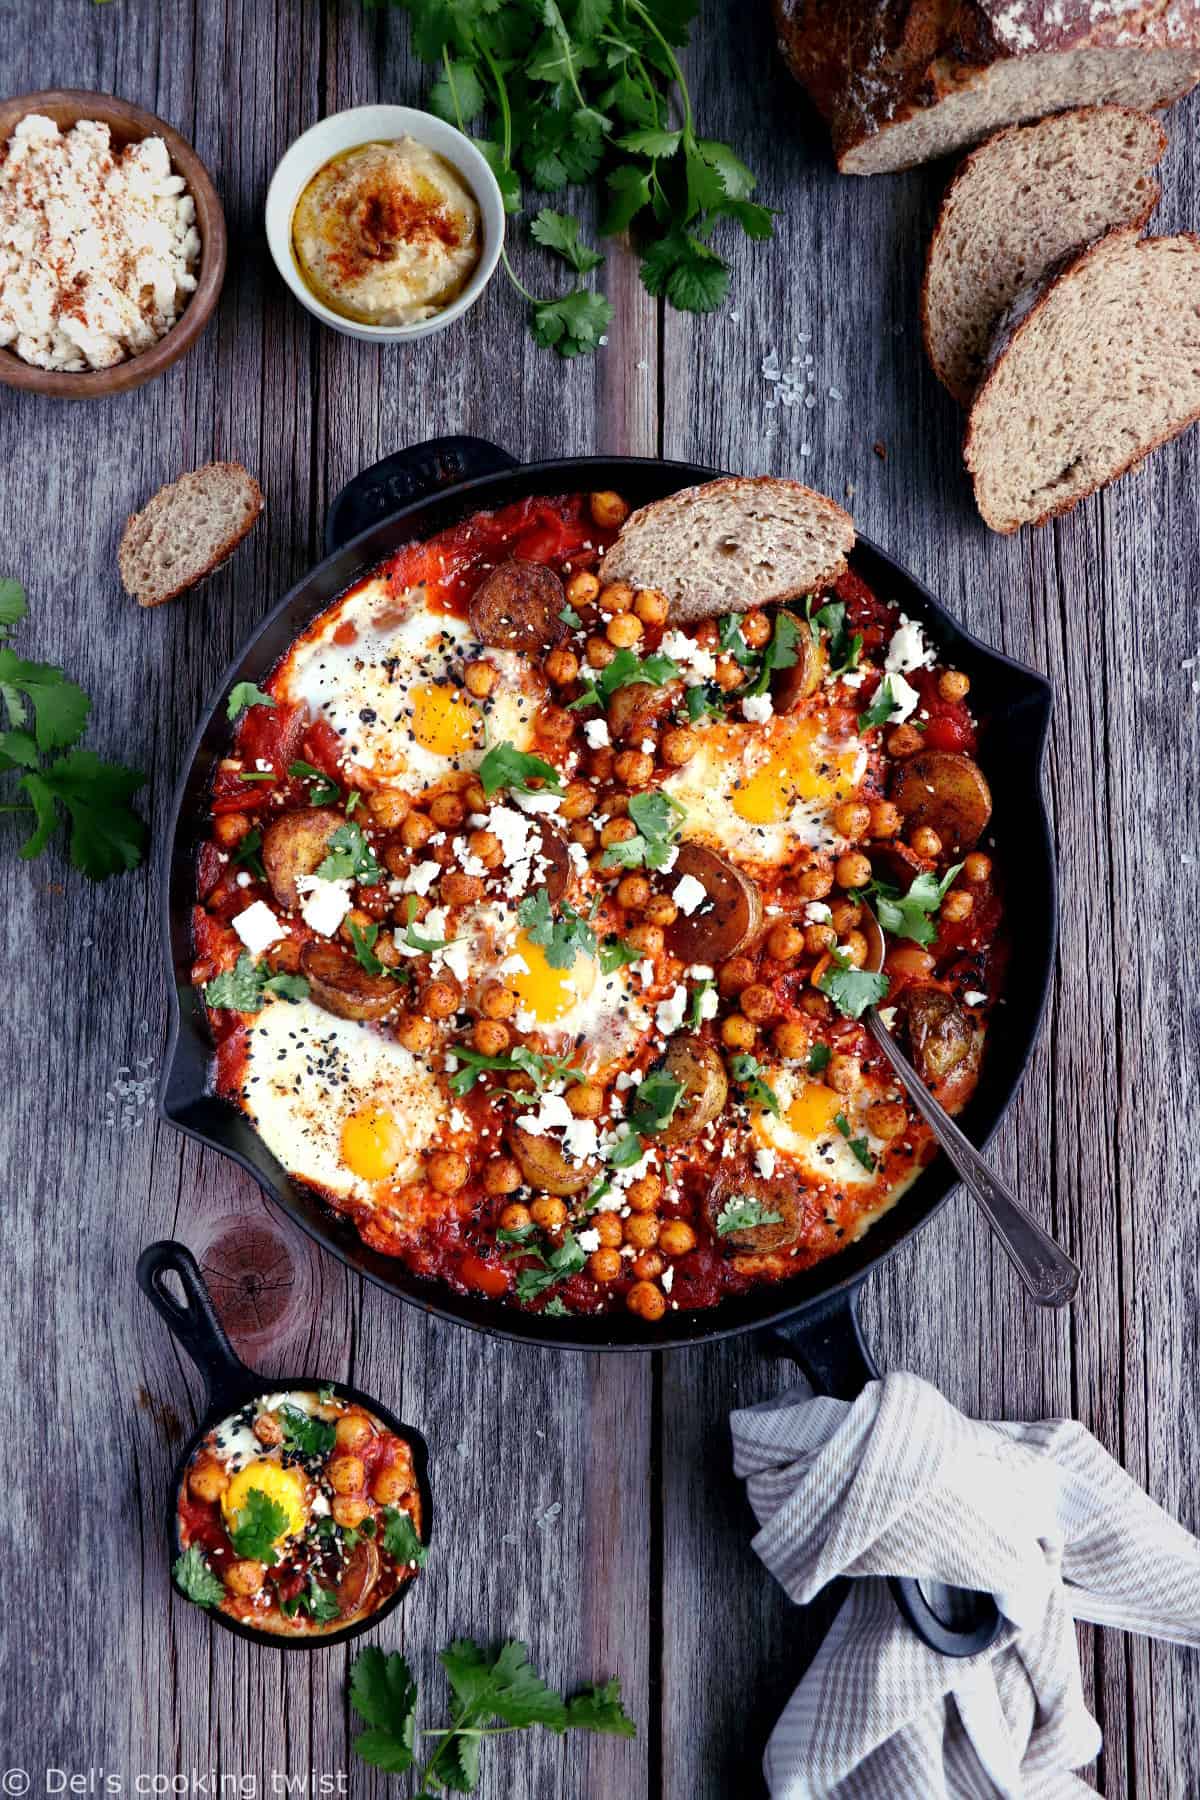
[[387, 233]]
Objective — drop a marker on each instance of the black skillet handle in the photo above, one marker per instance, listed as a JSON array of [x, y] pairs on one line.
[[407, 476], [828, 1345], [195, 1324]]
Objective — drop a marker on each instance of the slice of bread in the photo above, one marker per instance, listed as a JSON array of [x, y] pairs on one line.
[[186, 531], [1020, 203], [1092, 369], [731, 545]]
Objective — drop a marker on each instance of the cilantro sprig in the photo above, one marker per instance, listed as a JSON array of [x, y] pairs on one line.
[[504, 766], [241, 989], [194, 1577], [742, 1213], [851, 990], [45, 714], [305, 1433], [563, 938], [567, 1258], [911, 915], [257, 1526], [400, 1539], [658, 818], [541, 1070], [750, 1075], [845, 646], [243, 695], [859, 1147], [350, 857], [321, 790], [626, 668], [780, 653]]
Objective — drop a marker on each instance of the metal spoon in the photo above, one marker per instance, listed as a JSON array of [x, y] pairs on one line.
[[1049, 1275]]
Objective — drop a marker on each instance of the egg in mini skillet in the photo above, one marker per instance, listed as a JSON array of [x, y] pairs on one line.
[[388, 677], [286, 1487]]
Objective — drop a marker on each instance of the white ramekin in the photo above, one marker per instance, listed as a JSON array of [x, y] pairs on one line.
[[372, 124]]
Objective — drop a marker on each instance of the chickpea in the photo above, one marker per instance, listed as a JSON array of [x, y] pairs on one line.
[[633, 891], [457, 889], [515, 1217], [737, 1033], [648, 1263], [815, 884], [910, 960], [448, 1170], [855, 949], [577, 801], [491, 1036], [736, 974], [439, 1000], [548, 1212], [852, 820], [953, 685], [756, 629], [617, 831], [852, 870], [395, 859], [584, 833], [230, 829], [904, 740], [561, 666], [634, 768], [648, 939], [758, 1002], [676, 1238], [791, 1040], [885, 819], [207, 1479], [617, 597], [644, 1194], [582, 588], [924, 841], [615, 805], [501, 1176], [647, 1301], [391, 1483], [623, 630], [957, 906], [977, 867], [267, 1429], [886, 1119], [353, 1431], [349, 1510], [729, 674], [486, 847], [556, 724], [474, 796], [814, 1006], [416, 1034], [447, 811], [642, 1230], [598, 652], [346, 1474], [388, 809], [843, 1073], [608, 1229], [844, 915], [480, 678], [585, 1099], [819, 938], [245, 1577], [604, 1264], [661, 910], [679, 745], [651, 606], [784, 943], [608, 509], [416, 831], [600, 762]]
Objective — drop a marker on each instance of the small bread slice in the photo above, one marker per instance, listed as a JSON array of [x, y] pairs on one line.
[[186, 531], [731, 545], [1090, 372], [1020, 203]]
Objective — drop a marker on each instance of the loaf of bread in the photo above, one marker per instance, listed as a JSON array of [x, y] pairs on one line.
[[1092, 369], [187, 530], [903, 81], [1029, 197], [731, 545]]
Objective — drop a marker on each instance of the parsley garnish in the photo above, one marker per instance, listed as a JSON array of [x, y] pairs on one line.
[[322, 1602], [195, 1578], [819, 1057], [554, 1308], [616, 954], [859, 1147], [244, 694], [909, 915], [308, 1435], [702, 699], [741, 1213], [748, 1072], [845, 647], [400, 1538], [541, 1070], [322, 791], [506, 767], [654, 1103], [350, 858], [729, 636], [505, 1686], [851, 990], [780, 653], [564, 938], [570, 617], [657, 817], [247, 853], [626, 668], [567, 1259], [559, 232], [257, 1526], [241, 988]]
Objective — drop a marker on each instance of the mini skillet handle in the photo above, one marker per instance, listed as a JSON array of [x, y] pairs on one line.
[[407, 476], [828, 1345], [195, 1324]]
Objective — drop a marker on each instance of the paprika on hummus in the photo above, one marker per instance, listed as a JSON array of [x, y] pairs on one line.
[[387, 233]]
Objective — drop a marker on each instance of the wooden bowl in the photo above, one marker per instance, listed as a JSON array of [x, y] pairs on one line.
[[128, 125]]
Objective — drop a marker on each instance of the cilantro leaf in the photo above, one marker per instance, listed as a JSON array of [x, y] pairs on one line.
[[700, 699], [748, 1072], [573, 325], [195, 1578], [542, 1070], [845, 647], [736, 179], [851, 990], [629, 187], [350, 857], [910, 915], [859, 1147], [780, 652], [742, 1213], [304, 1433], [567, 1259], [819, 1057], [625, 669], [697, 1012], [13, 604], [241, 988], [363, 939], [246, 853], [518, 1695], [288, 987], [321, 1603], [60, 707], [384, 1694], [657, 818], [399, 1538], [626, 1151], [257, 1526], [616, 954], [570, 617], [322, 791], [651, 141], [690, 275], [557, 231], [504, 766], [412, 937], [599, 1708], [459, 96], [106, 835], [507, 179], [654, 1103], [882, 708], [563, 939], [729, 636], [244, 694]]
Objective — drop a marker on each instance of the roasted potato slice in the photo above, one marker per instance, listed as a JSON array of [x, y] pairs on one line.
[[358, 1578], [782, 1194], [729, 917], [946, 1045], [946, 790], [700, 1070], [544, 1166], [806, 673], [637, 708], [340, 985], [295, 844], [516, 607]]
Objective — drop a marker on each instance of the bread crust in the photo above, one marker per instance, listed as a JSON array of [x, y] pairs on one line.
[[1016, 321], [129, 551], [964, 172]]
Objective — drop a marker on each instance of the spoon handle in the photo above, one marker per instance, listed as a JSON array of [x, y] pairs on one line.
[[1049, 1275]]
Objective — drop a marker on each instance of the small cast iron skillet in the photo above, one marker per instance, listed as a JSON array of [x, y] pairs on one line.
[[812, 1317], [228, 1386]]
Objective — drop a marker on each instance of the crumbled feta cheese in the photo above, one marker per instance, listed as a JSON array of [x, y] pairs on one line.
[[553, 1114], [581, 1139], [538, 803], [524, 1019], [709, 1003], [905, 699], [258, 927], [669, 1013], [764, 1162], [757, 708], [323, 904], [588, 1239], [700, 972], [457, 958], [578, 856], [973, 997], [242, 878], [668, 1278], [908, 649], [696, 663], [689, 893], [817, 912], [595, 732]]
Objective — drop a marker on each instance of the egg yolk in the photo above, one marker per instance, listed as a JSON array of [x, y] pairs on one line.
[[372, 1144], [286, 1487], [800, 767], [546, 992], [444, 721], [812, 1112]]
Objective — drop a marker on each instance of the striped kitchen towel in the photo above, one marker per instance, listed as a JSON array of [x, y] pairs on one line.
[[901, 1483]]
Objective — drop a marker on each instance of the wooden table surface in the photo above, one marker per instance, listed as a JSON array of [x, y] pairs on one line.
[[586, 1503]]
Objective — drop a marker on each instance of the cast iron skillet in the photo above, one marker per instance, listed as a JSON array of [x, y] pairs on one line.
[[814, 1316], [229, 1385]]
